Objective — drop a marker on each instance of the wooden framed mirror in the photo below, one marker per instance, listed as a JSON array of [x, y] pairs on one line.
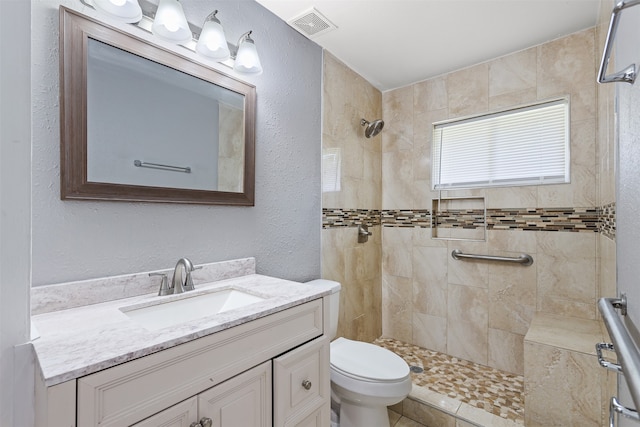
[[141, 123]]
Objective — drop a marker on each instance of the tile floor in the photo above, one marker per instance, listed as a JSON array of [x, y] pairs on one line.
[[455, 392]]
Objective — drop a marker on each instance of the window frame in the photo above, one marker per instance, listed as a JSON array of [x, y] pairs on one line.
[[511, 182]]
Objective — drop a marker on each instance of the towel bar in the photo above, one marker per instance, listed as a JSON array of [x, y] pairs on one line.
[[628, 74]]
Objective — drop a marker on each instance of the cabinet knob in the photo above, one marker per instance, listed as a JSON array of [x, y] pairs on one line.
[[195, 424], [206, 422], [306, 384]]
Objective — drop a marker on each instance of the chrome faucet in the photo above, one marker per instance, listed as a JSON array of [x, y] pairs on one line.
[[182, 280]]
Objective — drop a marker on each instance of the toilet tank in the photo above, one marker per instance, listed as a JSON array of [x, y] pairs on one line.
[[334, 301]]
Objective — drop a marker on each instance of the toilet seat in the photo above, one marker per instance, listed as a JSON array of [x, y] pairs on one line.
[[367, 362]]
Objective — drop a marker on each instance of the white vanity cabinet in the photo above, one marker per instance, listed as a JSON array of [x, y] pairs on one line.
[[272, 371]]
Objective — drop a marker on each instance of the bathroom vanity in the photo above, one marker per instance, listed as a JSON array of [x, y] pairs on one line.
[[259, 362]]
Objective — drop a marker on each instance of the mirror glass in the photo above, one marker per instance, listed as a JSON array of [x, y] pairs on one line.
[[143, 123]]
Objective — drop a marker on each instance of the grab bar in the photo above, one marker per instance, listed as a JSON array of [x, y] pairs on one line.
[[625, 348], [142, 164], [616, 407], [524, 259], [628, 74], [602, 361]]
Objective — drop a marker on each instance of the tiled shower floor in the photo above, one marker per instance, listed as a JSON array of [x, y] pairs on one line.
[[496, 392]]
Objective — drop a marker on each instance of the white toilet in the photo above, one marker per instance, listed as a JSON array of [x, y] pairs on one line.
[[365, 378]]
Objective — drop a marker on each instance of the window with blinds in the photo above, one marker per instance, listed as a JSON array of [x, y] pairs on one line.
[[331, 165], [525, 146]]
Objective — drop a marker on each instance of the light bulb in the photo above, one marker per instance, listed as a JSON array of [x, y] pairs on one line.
[[212, 42], [128, 11], [170, 24], [247, 59]]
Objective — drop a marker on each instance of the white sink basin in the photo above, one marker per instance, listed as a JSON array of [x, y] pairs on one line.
[[194, 307]]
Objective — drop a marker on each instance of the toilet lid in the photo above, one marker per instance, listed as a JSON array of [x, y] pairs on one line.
[[367, 361]]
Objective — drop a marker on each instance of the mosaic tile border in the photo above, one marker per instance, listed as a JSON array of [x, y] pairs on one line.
[[554, 219], [592, 220], [349, 217], [607, 223]]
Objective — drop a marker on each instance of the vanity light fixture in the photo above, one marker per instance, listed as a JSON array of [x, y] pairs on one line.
[[170, 24], [247, 60], [212, 43], [128, 11]]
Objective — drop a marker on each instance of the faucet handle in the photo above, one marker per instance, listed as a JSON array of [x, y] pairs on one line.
[[164, 283]]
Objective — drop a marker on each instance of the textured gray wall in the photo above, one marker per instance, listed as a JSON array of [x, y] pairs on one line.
[[75, 240]]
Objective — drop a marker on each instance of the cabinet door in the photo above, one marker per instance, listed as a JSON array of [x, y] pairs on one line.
[[180, 415], [301, 385], [319, 418], [242, 401]]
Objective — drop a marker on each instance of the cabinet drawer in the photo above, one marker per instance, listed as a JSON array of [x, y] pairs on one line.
[[130, 392], [301, 378]]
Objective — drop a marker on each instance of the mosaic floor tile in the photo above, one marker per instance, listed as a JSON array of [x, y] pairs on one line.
[[497, 392]]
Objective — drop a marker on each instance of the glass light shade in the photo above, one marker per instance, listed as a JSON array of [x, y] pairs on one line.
[[128, 11], [170, 24], [247, 60], [212, 42]]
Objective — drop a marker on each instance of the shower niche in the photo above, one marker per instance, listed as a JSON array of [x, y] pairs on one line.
[[459, 218]]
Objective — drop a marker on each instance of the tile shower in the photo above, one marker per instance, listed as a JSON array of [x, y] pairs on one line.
[[403, 285]]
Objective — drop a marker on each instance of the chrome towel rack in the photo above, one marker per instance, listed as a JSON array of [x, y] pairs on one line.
[[142, 164], [626, 351], [628, 74], [524, 259]]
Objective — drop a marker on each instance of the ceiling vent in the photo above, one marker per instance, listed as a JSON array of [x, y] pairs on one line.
[[312, 23]]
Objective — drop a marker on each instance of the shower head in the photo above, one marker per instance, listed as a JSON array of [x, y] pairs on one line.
[[372, 128]]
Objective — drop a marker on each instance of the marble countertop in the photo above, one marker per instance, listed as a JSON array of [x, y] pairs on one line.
[[83, 340]]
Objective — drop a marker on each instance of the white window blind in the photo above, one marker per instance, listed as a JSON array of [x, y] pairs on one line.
[[525, 146], [331, 165]]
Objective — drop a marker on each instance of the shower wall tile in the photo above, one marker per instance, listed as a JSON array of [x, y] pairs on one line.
[[357, 266], [422, 237], [583, 143], [506, 351], [511, 99], [470, 273], [398, 126], [512, 295], [397, 188], [566, 269], [512, 197], [467, 323], [606, 256], [397, 298], [430, 331], [515, 241], [513, 73], [468, 91], [430, 280], [562, 387], [333, 248], [567, 66], [396, 252], [437, 95]]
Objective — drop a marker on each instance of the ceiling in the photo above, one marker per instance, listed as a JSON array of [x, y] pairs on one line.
[[394, 43]]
